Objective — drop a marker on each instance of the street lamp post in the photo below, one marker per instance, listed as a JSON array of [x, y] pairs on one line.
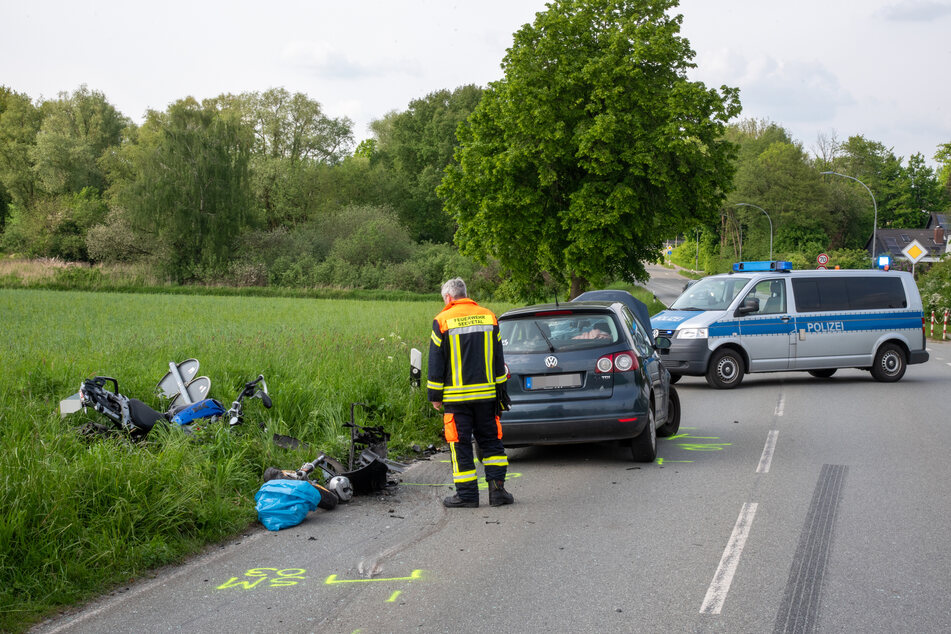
[[770, 225], [874, 207]]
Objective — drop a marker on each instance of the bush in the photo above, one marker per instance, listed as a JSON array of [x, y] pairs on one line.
[[935, 286], [114, 240], [377, 240], [55, 227]]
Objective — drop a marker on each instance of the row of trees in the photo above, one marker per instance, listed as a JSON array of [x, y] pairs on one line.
[[573, 169], [227, 186]]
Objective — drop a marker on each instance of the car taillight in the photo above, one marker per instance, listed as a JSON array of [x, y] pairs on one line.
[[617, 362], [508, 373]]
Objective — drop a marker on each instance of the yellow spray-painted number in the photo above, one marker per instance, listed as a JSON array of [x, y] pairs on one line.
[[266, 578], [332, 579]]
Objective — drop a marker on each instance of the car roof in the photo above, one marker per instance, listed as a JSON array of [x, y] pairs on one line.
[[567, 307]]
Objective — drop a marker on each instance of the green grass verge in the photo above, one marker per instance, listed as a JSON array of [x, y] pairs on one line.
[[77, 518]]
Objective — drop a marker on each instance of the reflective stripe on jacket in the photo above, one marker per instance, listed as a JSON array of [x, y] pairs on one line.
[[465, 354]]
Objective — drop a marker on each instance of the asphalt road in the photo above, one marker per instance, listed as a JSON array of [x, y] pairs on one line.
[[790, 504], [666, 284]]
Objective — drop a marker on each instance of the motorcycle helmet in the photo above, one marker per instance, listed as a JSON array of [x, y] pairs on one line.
[[340, 485]]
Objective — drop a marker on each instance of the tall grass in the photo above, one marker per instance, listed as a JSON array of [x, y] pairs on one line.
[[77, 517]]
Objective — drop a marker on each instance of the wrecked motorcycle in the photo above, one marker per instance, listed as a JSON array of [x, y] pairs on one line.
[[187, 408]]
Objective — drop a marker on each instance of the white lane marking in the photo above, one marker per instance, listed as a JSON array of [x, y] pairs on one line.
[[720, 586], [780, 405], [767, 457]]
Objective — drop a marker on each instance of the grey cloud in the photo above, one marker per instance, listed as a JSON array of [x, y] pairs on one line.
[[792, 91], [916, 11], [326, 62]]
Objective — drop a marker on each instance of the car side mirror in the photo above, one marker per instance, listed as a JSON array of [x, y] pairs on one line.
[[749, 305], [662, 343]]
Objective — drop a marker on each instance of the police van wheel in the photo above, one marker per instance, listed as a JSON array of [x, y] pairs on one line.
[[889, 363], [725, 370], [675, 377], [822, 374]]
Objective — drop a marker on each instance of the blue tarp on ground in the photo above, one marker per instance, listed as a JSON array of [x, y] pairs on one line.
[[285, 503]]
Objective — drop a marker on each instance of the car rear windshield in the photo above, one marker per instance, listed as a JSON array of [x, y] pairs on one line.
[[558, 331]]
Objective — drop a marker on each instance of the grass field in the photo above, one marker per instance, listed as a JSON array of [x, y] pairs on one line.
[[77, 518]]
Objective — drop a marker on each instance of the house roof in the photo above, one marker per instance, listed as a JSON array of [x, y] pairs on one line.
[[936, 219], [894, 241]]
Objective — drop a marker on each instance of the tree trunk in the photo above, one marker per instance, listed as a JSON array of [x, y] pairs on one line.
[[578, 286]]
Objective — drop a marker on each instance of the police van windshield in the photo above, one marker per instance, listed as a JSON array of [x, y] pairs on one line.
[[712, 293]]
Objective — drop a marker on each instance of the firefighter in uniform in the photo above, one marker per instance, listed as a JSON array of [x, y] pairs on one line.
[[467, 378]]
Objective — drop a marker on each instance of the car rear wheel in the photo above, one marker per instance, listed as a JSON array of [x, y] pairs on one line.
[[725, 370], [673, 415], [822, 374], [889, 363], [644, 445]]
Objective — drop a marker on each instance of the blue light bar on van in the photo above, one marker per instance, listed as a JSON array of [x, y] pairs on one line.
[[765, 265]]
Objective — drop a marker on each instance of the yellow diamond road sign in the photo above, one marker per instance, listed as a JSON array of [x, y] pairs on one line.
[[914, 251]]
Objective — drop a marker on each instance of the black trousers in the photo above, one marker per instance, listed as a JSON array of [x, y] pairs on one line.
[[463, 422]]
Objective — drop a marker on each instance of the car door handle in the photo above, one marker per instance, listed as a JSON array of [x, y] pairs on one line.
[[785, 318]]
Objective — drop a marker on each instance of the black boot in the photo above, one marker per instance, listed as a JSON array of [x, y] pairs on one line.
[[456, 502], [498, 495]]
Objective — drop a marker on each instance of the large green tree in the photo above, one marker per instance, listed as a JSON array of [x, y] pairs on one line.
[[943, 157], [77, 129], [184, 184], [416, 145], [293, 140], [593, 148], [19, 123]]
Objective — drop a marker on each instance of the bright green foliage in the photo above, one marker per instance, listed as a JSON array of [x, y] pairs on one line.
[[75, 132], [189, 193], [594, 147], [417, 145]]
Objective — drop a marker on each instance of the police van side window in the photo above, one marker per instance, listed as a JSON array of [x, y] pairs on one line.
[[848, 293], [771, 295]]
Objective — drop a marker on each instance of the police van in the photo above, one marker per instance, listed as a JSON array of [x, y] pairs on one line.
[[765, 317]]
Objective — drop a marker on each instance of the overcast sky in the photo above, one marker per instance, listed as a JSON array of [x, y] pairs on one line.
[[878, 68]]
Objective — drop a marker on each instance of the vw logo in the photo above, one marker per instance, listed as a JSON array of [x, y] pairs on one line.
[[551, 361]]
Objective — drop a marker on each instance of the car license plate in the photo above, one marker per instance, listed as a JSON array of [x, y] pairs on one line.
[[553, 381]]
